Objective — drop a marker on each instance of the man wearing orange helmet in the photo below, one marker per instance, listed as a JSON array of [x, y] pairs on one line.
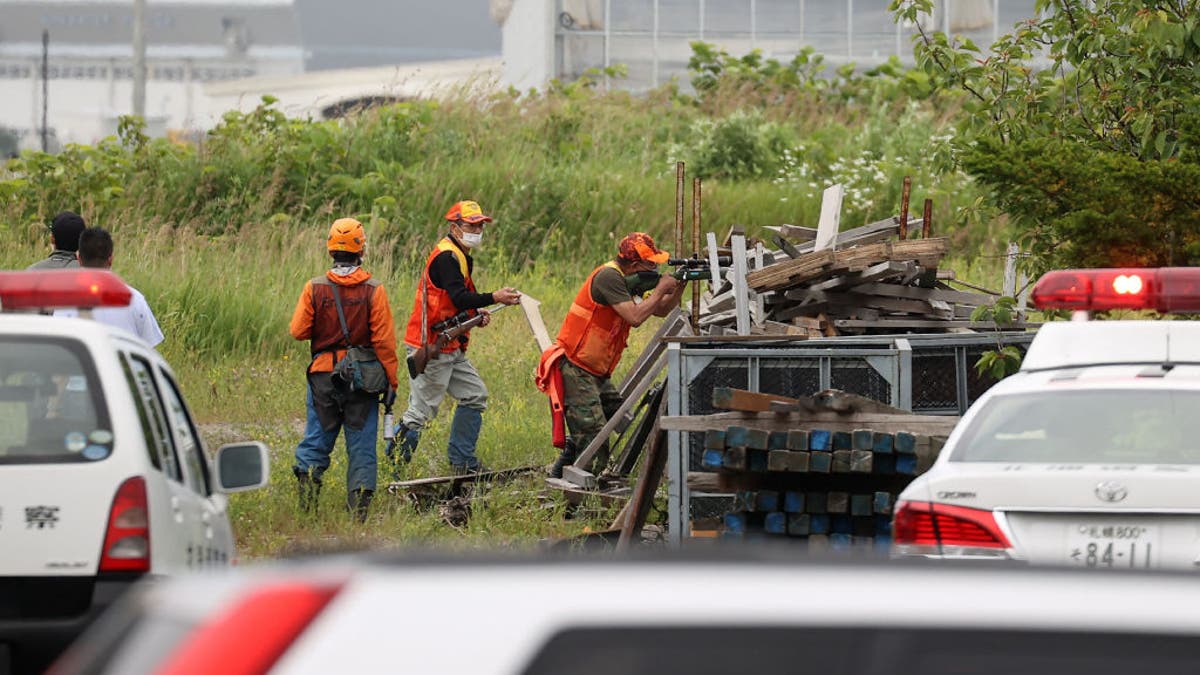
[[446, 289], [366, 320], [576, 370]]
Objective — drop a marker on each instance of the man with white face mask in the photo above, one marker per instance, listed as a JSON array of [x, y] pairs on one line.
[[445, 290]]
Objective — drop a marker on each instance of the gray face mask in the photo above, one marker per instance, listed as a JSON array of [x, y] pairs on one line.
[[471, 239]]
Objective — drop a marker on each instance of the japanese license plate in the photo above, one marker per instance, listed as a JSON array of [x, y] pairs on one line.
[[1111, 545]]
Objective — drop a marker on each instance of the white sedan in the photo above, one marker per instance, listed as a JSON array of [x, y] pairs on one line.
[[1090, 455]]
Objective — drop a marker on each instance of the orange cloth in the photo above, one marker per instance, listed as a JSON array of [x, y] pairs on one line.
[[593, 335], [441, 307], [382, 330], [548, 378]]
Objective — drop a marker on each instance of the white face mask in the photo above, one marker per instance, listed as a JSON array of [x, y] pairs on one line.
[[471, 239]]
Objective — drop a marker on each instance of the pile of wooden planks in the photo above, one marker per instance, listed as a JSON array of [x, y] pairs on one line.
[[871, 280], [826, 468]]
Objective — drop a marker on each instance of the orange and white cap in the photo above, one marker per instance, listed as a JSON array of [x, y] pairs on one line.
[[468, 211]]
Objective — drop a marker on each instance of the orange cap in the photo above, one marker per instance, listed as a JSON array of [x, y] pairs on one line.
[[347, 234], [468, 211], [640, 246]]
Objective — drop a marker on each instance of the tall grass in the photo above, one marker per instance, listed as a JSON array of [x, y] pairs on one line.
[[221, 237]]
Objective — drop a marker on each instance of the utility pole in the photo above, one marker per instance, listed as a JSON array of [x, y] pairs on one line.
[[139, 58], [45, 89]]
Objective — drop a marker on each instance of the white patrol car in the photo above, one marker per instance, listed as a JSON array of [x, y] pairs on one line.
[[1090, 455], [103, 477]]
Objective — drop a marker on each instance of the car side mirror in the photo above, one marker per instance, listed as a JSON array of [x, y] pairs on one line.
[[242, 466]]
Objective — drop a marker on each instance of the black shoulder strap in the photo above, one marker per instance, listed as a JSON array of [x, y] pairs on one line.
[[337, 299]]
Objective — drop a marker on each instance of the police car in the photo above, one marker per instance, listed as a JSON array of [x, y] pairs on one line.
[[1090, 455], [103, 476]]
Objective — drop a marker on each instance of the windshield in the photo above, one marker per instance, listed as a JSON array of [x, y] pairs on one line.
[[51, 408], [1086, 427]]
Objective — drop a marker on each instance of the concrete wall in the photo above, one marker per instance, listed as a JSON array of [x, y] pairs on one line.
[[528, 44]]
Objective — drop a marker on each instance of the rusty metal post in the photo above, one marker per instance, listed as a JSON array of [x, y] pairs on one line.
[[904, 197], [678, 208], [927, 220], [696, 250]]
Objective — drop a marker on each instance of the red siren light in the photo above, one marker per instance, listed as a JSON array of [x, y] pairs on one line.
[[80, 288], [1165, 290]]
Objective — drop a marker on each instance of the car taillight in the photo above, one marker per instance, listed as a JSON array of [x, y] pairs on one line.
[[924, 524], [250, 636], [127, 539], [1168, 289]]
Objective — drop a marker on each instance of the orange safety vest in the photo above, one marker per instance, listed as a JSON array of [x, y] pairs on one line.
[[593, 335], [440, 306], [327, 333]]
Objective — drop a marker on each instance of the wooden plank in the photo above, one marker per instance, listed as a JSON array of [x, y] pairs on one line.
[[929, 425], [885, 270], [918, 293], [654, 406], [894, 324], [673, 324], [577, 495], [926, 252], [794, 233], [452, 483], [533, 316], [831, 216], [741, 292], [786, 246], [585, 458], [729, 398], [647, 485]]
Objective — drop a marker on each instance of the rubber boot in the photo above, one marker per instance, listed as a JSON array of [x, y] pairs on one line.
[[308, 489], [464, 434], [359, 503], [565, 458]]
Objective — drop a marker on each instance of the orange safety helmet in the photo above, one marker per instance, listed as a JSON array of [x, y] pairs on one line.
[[347, 234]]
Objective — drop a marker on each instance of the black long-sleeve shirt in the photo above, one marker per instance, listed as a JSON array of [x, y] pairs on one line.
[[446, 274]]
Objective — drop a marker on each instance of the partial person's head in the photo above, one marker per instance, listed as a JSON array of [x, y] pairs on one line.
[[466, 222], [95, 248], [637, 252], [347, 241], [65, 230]]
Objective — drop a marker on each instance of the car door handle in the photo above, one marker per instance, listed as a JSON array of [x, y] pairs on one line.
[[175, 509]]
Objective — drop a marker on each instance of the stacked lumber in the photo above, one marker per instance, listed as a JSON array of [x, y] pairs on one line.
[[826, 469], [869, 282]]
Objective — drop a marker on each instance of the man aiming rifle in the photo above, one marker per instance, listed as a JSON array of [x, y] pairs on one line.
[[575, 371]]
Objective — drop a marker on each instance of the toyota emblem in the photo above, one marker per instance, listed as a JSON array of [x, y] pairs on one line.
[[1110, 491]]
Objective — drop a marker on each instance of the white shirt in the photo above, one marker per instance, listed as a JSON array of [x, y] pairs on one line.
[[136, 318]]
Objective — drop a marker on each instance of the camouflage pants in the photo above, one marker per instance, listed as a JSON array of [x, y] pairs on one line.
[[588, 402]]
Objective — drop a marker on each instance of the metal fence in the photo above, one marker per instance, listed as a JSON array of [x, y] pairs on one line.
[[929, 374], [652, 37]]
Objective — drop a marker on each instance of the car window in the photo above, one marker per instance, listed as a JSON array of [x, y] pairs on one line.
[[190, 449], [52, 408], [803, 650], [1104, 426], [150, 411]]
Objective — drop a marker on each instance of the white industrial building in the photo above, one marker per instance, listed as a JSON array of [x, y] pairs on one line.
[[322, 57]]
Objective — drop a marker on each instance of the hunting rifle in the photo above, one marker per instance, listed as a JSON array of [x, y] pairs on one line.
[[695, 267], [446, 331]]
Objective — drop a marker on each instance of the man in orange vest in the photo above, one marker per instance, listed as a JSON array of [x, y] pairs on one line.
[[368, 320], [446, 289], [578, 367]]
